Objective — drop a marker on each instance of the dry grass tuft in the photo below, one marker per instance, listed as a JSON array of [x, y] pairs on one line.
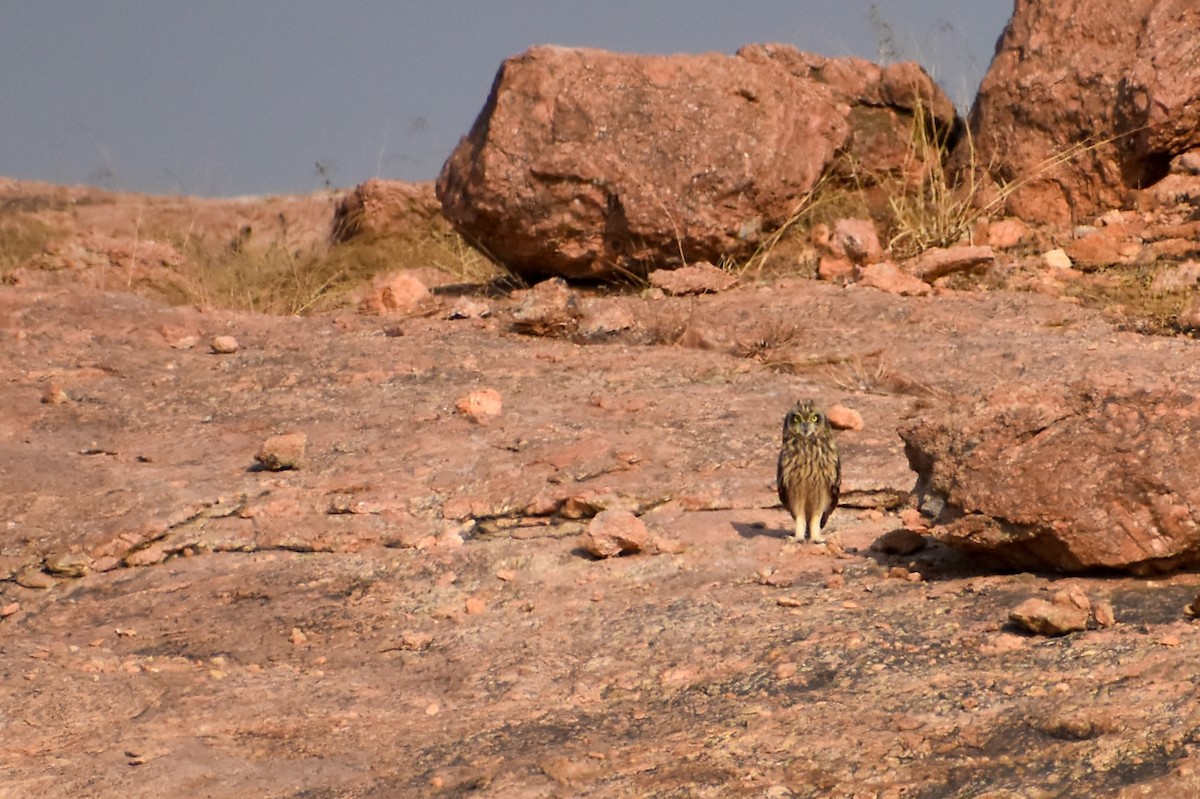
[[21, 238], [278, 280], [1126, 295]]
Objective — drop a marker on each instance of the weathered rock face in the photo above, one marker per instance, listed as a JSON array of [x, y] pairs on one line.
[[1072, 73], [1065, 478], [585, 163]]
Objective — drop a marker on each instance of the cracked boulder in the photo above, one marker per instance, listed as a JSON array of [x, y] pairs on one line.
[[591, 164], [1065, 478]]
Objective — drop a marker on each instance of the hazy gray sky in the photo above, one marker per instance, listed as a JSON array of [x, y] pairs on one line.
[[227, 97]]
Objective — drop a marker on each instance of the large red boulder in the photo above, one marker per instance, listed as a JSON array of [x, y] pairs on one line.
[[1109, 89], [586, 163], [1065, 478]]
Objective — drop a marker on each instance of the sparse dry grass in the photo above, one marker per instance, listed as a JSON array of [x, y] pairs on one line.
[[21, 238], [276, 279], [1126, 294]]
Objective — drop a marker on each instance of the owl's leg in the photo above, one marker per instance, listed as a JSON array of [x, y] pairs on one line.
[[801, 528], [814, 527]]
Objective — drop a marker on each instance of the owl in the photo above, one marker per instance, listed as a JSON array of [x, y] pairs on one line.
[[810, 472]]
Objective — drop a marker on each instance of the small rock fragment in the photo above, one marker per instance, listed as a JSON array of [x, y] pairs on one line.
[[1059, 617], [298, 637], [1007, 233], [395, 293], [856, 240], [223, 345], [1103, 613], [613, 532], [699, 278], [886, 276], [33, 577], [1057, 259], [831, 267], [53, 394], [467, 308], [285, 451], [550, 308], [938, 262], [843, 418], [68, 564], [480, 403], [475, 606]]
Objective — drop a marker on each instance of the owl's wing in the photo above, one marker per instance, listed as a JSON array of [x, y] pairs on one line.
[[781, 484], [835, 490]]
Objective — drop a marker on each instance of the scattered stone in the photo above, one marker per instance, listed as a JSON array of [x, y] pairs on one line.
[[549, 308], [886, 276], [855, 240], [68, 564], [1103, 248], [914, 520], [1103, 613], [698, 278], [938, 262], [842, 418], [1057, 259], [899, 542], [178, 338], [298, 636], [415, 641], [480, 403], [224, 345], [475, 606], [285, 451], [1065, 614], [614, 532], [53, 394], [468, 308], [1004, 234], [395, 293], [605, 320], [831, 267], [33, 577], [9, 609]]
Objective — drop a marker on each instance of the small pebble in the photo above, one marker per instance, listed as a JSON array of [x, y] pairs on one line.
[[224, 345], [282, 452], [53, 394]]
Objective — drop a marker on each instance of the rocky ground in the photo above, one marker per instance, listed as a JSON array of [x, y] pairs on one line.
[[410, 613]]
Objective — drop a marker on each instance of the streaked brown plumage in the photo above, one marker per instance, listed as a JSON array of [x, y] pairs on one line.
[[810, 472]]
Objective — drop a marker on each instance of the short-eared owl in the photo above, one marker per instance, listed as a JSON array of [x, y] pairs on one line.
[[810, 471]]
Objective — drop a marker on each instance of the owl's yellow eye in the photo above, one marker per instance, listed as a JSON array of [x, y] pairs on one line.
[[816, 417]]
